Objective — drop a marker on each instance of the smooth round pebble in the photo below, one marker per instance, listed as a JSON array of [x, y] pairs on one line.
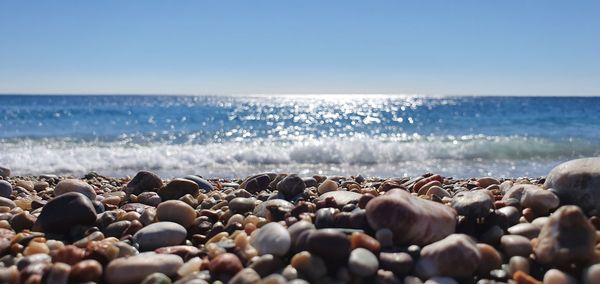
[[272, 238], [160, 234], [176, 211], [362, 262]]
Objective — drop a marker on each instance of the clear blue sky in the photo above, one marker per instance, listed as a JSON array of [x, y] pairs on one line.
[[242, 47]]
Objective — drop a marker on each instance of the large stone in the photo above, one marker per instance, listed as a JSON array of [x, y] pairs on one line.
[[455, 256], [532, 196], [256, 183], [75, 185], [144, 181], [412, 220], [177, 188], [160, 234], [134, 269], [5, 189], [271, 238], [291, 186], [577, 182], [567, 238], [473, 204], [62, 213]]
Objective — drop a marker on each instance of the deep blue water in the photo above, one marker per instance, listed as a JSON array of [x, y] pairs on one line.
[[237, 136]]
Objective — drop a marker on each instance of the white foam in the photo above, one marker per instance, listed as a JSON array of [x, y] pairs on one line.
[[452, 156]]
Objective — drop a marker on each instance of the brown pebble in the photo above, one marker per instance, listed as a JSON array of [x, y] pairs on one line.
[[226, 263], [490, 259], [88, 270], [524, 278], [362, 240], [68, 254]]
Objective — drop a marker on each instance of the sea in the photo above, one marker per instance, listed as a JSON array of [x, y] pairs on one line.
[[234, 136]]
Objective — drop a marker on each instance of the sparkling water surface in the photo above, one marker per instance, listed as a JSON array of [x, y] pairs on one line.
[[220, 136]]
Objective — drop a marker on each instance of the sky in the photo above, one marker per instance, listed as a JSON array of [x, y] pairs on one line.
[[482, 47]]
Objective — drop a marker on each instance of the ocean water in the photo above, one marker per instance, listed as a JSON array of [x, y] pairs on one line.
[[219, 136]]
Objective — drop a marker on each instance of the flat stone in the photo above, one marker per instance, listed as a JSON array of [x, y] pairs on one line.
[[473, 204], [261, 209], [176, 211], [203, 184], [75, 185], [272, 238], [441, 258], [341, 197], [7, 202], [362, 262], [438, 192], [160, 234], [567, 238], [5, 189], [242, 204], [291, 186], [62, 213], [144, 181], [134, 269], [411, 219], [177, 188], [487, 181], [527, 230], [515, 245], [533, 196], [577, 182]]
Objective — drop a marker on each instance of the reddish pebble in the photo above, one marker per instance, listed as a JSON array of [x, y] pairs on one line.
[[524, 278], [362, 240], [528, 214], [86, 271], [362, 202], [226, 263], [249, 228]]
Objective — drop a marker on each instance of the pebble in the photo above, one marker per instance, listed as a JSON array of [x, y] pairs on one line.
[[7, 202], [226, 263], [261, 210], [441, 280], [204, 185], [291, 186], [531, 196], [527, 230], [272, 238], [5, 189], [160, 234], [266, 264], [330, 244], [177, 188], [256, 183], [144, 181], [62, 213], [134, 269], [59, 273], [518, 263], [555, 276], [577, 182], [484, 182], [362, 240], [362, 262], [308, 265], [440, 258], [592, 274], [341, 197], [74, 185], [4, 172], [176, 211], [473, 204], [400, 263], [88, 270], [515, 245], [149, 198], [567, 238], [242, 205], [327, 186], [157, 278], [412, 220], [245, 276], [490, 259]]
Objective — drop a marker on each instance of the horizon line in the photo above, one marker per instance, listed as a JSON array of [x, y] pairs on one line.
[[299, 94]]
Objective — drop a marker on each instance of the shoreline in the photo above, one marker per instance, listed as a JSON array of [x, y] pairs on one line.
[[280, 228]]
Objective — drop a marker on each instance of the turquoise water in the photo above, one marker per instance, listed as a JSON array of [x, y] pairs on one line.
[[236, 136]]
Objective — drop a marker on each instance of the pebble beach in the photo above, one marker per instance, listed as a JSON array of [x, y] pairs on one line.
[[288, 228]]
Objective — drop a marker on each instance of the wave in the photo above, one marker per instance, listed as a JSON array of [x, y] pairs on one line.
[[454, 156]]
